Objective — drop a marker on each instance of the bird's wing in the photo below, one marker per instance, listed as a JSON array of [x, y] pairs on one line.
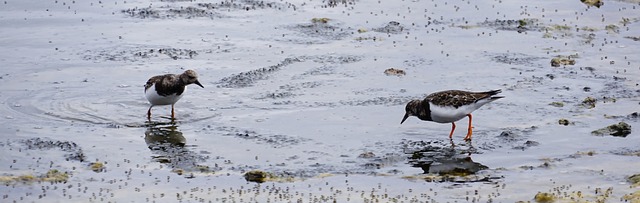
[[152, 81], [456, 98]]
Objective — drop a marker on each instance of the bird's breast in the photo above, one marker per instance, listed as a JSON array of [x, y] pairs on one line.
[[164, 98], [448, 114]]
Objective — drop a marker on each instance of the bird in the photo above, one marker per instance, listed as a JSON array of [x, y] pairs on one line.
[[168, 89], [449, 106]]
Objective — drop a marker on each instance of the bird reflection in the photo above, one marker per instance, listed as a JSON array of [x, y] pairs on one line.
[[169, 146], [159, 137], [437, 158]]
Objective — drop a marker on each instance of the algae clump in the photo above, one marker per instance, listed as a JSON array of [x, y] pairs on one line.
[[55, 176], [557, 104], [634, 179], [97, 167], [543, 197], [257, 176], [596, 3], [563, 121], [320, 20], [621, 129], [562, 61], [589, 102], [52, 175]]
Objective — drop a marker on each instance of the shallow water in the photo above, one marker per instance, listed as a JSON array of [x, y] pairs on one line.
[[306, 99]]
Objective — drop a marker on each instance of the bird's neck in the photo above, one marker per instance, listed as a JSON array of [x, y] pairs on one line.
[[423, 111]]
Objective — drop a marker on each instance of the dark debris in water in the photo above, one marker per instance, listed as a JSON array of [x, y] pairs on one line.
[[392, 27], [620, 129], [276, 95], [246, 79], [142, 12], [521, 25], [617, 89], [133, 54], [276, 141], [634, 38], [517, 59], [206, 10], [299, 86], [321, 30], [336, 3], [169, 12], [248, 5], [417, 62], [74, 151], [334, 59], [389, 101], [630, 117], [516, 138], [627, 152]]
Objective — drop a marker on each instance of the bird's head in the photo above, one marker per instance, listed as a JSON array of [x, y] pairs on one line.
[[411, 109], [190, 77]]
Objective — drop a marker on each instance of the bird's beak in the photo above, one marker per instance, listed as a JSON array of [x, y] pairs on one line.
[[198, 83], [406, 115]]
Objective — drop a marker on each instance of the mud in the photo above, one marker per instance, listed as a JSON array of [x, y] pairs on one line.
[[297, 106]]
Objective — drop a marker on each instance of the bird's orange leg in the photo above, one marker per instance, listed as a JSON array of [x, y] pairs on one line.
[[149, 113], [469, 131], [453, 127], [173, 113]]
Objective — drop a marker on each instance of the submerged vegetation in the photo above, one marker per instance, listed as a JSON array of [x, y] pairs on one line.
[[53, 176]]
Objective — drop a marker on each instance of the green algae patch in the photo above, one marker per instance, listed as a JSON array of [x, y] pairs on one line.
[[543, 197], [558, 61], [394, 72], [178, 171], [567, 195], [53, 176], [97, 167], [466, 27], [589, 102], [588, 153], [563, 121], [634, 179], [562, 61], [259, 176], [557, 104], [320, 20], [589, 29], [596, 3], [621, 129], [633, 197], [204, 169], [612, 29]]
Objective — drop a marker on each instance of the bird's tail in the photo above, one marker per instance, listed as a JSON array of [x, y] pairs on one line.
[[492, 93]]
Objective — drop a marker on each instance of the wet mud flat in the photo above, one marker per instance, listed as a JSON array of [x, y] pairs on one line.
[[303, 100]]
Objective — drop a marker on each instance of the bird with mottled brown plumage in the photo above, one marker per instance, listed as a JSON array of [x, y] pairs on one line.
[[168, 89], [449, 106]]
